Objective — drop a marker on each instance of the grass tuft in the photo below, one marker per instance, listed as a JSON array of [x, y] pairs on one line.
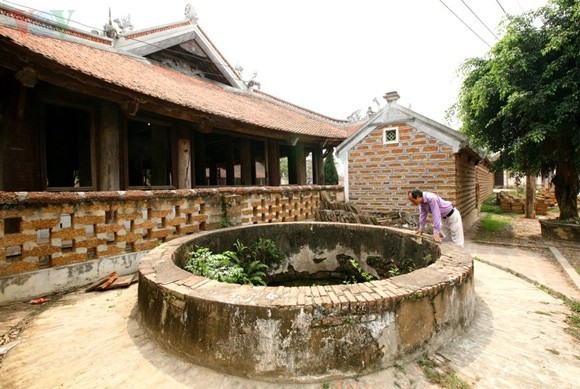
[[573, 320], [493, 222], [441, 373], [491, 208]]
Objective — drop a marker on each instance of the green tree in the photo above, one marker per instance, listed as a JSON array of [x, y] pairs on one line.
[[330, 173], [523, 98]]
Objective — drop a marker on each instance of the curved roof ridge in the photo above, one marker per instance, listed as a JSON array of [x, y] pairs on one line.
[[23, 19], [153, 30], [300, 108], [148, 79]]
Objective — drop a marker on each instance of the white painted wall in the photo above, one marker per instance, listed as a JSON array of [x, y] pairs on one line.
[[27, 286]]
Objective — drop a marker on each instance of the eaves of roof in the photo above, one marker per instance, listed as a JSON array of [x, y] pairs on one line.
[[139, 76]]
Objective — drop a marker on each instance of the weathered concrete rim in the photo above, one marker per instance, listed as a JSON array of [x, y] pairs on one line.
[[159, 266], [560, 230], [177, 291]]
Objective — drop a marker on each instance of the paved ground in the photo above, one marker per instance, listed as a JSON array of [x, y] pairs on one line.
[[517, 340]]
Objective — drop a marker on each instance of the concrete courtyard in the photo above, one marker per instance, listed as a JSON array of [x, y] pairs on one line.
[[517, 340]]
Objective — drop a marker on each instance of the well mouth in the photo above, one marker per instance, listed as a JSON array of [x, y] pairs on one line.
[[315, 332]]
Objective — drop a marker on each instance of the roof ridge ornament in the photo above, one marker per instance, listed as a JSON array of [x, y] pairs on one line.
[[191, 13], [109, 29], [391, 97]]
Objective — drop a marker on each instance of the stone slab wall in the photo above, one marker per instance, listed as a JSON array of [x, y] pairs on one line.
[[554, 229], [41, 230]]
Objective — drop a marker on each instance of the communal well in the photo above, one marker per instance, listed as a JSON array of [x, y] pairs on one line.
[[309, 333]]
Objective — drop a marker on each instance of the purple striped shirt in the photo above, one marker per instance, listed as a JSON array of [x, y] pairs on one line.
[[437, 207]]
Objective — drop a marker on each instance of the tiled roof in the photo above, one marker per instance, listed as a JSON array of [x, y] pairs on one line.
[[351, 128], [146, 78]]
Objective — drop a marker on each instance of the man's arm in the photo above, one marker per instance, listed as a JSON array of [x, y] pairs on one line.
[[422, 217]]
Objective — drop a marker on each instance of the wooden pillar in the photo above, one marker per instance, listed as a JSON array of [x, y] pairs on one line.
[[2, 147], [273, 158], [184, 173], [318, 166], [297, 165], [199, 157], [22, 147], [230, 179], [109, 148], [246, 162]]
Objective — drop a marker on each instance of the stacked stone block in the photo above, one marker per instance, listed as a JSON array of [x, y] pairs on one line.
[[44, 229], [516, 204]]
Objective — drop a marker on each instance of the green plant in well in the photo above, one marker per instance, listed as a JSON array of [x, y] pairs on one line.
[[255, 273], [408, 265], [244, 265], [394, 271], [263, 250], [220, 267], [364, 275]]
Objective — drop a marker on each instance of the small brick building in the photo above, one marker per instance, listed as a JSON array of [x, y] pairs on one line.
[[398, 150]]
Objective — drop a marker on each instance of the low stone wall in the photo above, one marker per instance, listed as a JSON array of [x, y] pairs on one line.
[[308, 333], [516, 204], [40, 231], [554, 229]]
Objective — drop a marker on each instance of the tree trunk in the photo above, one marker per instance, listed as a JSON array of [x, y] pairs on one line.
[[530, 197], [567, 185]]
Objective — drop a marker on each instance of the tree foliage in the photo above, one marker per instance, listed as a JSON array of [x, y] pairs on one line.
[[523, 98], [330, 173]]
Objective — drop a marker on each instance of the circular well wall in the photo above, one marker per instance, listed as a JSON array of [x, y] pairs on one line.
[[308, 333]]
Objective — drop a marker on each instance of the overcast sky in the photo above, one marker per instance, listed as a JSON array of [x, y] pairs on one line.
[[330, 56]]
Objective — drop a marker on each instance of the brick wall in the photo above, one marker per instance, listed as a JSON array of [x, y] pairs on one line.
[[380, 175], [485, 183], [42, 229], [466, 199]]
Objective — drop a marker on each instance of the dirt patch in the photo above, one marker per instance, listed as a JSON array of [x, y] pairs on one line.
[[14, 318]]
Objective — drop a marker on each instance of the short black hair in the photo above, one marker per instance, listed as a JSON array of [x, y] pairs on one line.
[[416, 193]]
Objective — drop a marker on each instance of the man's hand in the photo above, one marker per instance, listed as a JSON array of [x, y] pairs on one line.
[[436, 237], [419, 231]]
